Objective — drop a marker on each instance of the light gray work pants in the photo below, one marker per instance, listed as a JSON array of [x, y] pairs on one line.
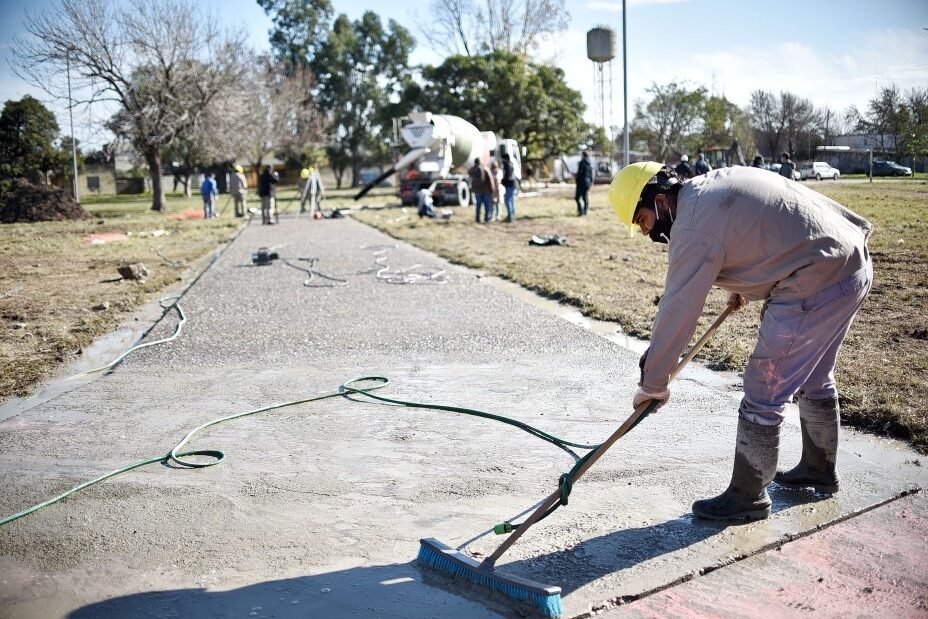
[[797, 348]]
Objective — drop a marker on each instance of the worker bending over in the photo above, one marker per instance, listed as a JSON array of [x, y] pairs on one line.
[[760, 237]]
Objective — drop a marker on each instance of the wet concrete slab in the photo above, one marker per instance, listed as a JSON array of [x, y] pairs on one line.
[[318, 508]]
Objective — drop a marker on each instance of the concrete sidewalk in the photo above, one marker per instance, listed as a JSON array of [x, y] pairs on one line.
[[871, 565], [318, 508]]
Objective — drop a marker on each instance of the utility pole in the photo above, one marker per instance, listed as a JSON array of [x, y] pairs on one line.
[[77, 197], [625, 82]]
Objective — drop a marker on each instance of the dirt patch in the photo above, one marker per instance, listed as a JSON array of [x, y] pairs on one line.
[[28, 203], [54, 285]]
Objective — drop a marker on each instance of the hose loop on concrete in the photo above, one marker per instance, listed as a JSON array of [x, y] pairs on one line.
[[353, 387]]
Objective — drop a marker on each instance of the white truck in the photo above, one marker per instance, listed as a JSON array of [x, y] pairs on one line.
[[442, 147]]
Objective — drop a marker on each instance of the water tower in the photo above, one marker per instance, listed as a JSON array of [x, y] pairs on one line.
[[600, 48]]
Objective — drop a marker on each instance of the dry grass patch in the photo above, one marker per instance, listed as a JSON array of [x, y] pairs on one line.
[[883, 371], [51, 278]]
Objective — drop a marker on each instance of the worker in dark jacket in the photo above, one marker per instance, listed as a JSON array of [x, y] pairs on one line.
[[584, 181], [683, 169], [267, 190]]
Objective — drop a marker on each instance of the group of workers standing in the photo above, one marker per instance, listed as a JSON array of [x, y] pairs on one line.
[[309, 185], [491, 185]]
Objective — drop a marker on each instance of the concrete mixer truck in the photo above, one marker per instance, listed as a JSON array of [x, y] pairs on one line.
[[442, 147]]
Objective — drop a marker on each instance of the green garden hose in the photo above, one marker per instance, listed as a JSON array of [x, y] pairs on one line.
[[350, 388]]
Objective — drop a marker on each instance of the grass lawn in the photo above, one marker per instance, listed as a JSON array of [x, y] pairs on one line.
[[883, 369], [51, 277]]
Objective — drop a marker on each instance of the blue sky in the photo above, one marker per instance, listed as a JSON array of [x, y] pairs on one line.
[[837, 53]]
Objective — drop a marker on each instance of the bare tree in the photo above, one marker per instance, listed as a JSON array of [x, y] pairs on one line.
[[473, 28], [161, 62], [274, 113], [779, 120]]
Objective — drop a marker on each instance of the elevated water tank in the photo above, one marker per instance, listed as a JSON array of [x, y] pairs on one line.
[[600, 44]]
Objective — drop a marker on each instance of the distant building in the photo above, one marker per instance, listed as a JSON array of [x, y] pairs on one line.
[[97, 179], [877, 142]]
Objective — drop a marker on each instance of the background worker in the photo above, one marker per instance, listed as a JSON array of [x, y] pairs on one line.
[[209, 192], [759, 237], [702, 165], [238, 186], [583, 180], [498, 195], [425, 203], [483, 186], [510, 182], [786, 166], [683, 169], [303, 187], [267, 190], [315, 191]]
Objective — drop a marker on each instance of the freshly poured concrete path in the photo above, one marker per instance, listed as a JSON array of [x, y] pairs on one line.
[[318, 509]]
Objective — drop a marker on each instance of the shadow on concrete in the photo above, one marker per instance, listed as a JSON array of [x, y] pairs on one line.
[[600, 556], [396, 591], [403, 591]]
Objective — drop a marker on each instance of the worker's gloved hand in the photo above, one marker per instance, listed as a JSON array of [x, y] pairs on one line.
[[643, 396], [737, 301], [641, 362]]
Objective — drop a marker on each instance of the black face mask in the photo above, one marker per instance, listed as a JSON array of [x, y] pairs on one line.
[[660, 233]]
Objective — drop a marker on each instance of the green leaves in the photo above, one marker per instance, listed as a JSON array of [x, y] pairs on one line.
[[362, 70], [27, 134]]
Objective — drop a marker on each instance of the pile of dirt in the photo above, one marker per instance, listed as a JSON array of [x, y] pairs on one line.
[[26, 202]]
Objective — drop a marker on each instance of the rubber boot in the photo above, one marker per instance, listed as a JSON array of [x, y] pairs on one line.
[[755, 463], [820, 421]]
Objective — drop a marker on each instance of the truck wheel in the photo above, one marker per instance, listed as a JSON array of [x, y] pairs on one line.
[[463, 194]]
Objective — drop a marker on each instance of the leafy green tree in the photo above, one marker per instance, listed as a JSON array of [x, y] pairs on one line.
[[300, 29], [672, 116], [898, 120], [63, 165], [597, 141], [361, 68], [505, 93], [27, 141], [917, 101], [723, 124]]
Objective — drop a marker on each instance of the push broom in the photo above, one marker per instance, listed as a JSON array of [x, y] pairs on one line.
[[544, 599]]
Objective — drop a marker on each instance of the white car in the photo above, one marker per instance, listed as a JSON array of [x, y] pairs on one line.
[[818, 170]]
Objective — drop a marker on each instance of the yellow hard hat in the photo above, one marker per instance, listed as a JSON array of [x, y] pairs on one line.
[[239, 169], [625, 190], [304, 173]]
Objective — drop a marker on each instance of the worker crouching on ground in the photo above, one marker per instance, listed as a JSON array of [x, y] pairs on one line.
[[760, 237]]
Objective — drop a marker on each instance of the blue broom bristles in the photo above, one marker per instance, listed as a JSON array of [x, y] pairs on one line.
[[548, 605]]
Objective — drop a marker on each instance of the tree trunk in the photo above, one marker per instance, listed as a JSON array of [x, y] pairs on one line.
[[355, 173], [188, 165], [338, 171], [158, 202]]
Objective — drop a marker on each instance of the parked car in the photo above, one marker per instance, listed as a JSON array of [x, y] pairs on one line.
[[775, 168], [890, 168], [818, 170], [369, 175]]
